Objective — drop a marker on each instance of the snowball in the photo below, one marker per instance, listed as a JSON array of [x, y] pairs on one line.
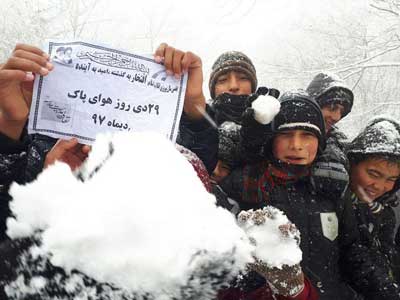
[[265, 109], [138, 217]]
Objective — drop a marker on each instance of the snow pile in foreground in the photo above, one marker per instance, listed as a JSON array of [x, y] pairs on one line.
[[138, 219]]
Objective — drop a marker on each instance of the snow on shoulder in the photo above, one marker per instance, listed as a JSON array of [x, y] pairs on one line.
[[135, 216]]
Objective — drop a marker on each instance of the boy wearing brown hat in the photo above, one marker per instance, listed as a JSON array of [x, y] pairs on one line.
[[233, 78]]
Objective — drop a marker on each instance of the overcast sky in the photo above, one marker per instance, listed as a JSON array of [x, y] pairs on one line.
[[289, 41], [263, 29]]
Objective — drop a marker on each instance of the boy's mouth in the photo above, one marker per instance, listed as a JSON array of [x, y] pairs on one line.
[[294, 159]]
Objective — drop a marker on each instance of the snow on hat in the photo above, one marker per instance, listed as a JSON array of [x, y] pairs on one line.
[[232, 61], [381, 137], [299, 111], [328, 89], [197, 164]]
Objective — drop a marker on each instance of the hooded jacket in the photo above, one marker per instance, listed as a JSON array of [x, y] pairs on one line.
[[328, 88], [381, 137], [20, 161], [376, 222]]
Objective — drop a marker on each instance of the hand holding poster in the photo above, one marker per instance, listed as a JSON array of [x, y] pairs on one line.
[[95, 89]]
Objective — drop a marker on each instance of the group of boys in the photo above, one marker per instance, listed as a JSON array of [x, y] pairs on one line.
[[338, 194]]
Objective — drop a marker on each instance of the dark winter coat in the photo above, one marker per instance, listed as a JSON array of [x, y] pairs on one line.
[[201, 137], [376, 223], [331, 168], [20, 161], [217, 136], [291, 194], [377, 233], [396, 263], [335, 150], [329, 237]]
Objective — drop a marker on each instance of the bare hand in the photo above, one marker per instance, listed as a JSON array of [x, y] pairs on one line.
[[176, 63], [16, 82], [68, 151]]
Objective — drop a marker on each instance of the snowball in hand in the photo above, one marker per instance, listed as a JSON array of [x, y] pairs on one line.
[[143, 222], [276, 239], [265, 108]]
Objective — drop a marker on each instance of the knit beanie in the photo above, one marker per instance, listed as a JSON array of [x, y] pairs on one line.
[[327, 89], [232, 61], [299, 111]]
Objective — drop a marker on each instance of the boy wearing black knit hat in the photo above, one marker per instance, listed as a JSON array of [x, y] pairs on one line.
[[330, 240]]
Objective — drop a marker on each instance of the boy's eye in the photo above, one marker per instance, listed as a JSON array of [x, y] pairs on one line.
[[332, 107], [393, 179], [308, 134], [221, 79], [284, 133], [373, 174], [244, 77]]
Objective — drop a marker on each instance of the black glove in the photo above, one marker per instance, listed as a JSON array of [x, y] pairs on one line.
[[263, 90], [254, 136]]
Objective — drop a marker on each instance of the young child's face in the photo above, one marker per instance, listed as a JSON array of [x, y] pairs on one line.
[[332, 113], [232, 82], [297, 147], [372, 178], [220, 172]]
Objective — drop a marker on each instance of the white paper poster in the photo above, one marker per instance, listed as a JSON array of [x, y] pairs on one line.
[[95, 89]]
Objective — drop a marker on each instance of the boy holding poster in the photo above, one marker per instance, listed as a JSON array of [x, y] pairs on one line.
[[22, 159]]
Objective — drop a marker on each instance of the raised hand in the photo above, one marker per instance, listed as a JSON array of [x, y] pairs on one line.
[[68, 151], [16, 82], [176, 63]]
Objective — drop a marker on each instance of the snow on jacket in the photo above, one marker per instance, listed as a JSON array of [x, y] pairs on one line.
[[335, 150], [377, 233], [20, 161], [381, 137], [201, 137]]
